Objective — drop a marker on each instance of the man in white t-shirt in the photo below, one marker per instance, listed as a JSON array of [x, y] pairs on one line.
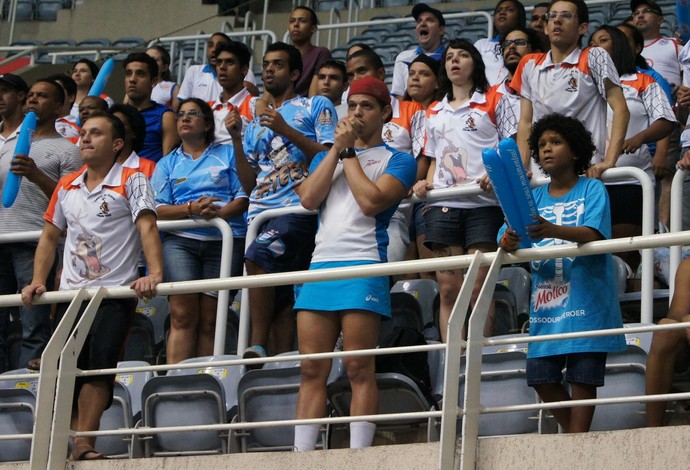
[[109, 216], [431, 26]]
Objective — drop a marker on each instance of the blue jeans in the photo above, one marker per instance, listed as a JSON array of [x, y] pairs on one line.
[[16, 272]]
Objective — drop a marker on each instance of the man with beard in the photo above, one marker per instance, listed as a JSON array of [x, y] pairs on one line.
[[514, 46], [431, 26], [279, 145]]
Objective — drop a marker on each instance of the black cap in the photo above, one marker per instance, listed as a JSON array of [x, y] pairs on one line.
[[423, 7], [634, 4], [15, 81]]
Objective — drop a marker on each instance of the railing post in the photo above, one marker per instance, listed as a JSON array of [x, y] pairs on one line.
[[454, 345], [47, 381], [676, 251], [223, 295], [67, 374]]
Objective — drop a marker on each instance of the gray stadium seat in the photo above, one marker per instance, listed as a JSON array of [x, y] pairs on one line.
[[28, 384], [503, 383], [140, 345], [181, 400], [625, 376], [157, 310], [268, 395], [24, 12], [17, 407], [229, 376], [519, 281], [425, 291], [134, 383], [47, 10], [505, 311], [118, 416]]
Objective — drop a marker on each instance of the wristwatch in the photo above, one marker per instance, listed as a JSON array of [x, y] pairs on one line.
[[347, 152]]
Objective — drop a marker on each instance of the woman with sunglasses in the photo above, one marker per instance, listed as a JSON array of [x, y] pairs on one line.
[[197, 180]]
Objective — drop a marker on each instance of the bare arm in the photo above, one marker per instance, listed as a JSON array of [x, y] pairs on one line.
[[660, 129], [170, 137], [245, 171], [545, 229], [524, 130], [25, 166], [621, 115], [680, 303], [274, 121], [43, 262], [151, 244]]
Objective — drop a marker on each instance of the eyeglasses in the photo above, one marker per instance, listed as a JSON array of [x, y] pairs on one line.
[[191, 114], [518, 43], [644, 11], [540, 17], [564, 15]]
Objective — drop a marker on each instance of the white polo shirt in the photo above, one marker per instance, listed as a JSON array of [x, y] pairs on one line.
[[662, 55], [405, 130], [455, 138], [201, 81], [245, 104], [102, 245], [492, 54], [647, 103], [576, 87]]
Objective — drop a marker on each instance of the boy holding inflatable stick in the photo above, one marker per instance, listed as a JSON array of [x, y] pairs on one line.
[[569, 294]]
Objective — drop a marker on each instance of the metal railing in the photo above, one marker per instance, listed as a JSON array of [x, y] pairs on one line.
[[677, 192]]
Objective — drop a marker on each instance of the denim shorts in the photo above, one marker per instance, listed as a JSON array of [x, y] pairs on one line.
[[188, 259], [449, 226], [417, 227], [581, 368]]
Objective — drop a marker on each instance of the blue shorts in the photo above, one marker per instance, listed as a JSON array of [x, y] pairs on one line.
[[369, 294], [417, 227], [188, 259], [581, 368], [284, 244], [449, 226]]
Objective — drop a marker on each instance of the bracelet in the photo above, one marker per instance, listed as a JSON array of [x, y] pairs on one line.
[[189, 209]]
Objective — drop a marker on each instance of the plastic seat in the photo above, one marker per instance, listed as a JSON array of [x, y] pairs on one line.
[[47, 10], [229, 376], [17, 408], [24, 12], [268, 395], [426, 293], [134, 382], [519, 281], [181, 400], [405, 312], [505, 311], [503, 383], [157, 310], [28, 384], [140, 345], [625, 376], [118, 416], [95, 42]]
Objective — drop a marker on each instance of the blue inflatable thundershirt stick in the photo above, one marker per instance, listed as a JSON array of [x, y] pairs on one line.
[[12, 181], [683, 19], [499, 180], [101, 81], [518, 181]]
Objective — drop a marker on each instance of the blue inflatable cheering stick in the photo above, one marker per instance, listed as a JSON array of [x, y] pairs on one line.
[[11, 189]]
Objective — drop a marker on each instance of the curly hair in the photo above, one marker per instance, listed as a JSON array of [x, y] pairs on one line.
[[579, 139]]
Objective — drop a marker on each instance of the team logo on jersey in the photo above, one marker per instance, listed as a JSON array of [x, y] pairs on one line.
[[215, 174], [180, 180], [663, 42], [387, 133], [470, 125], [325, 118], [104, 208], [572, 84], [371, 162], [298, 118]]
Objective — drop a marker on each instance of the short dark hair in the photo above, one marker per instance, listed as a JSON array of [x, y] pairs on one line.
[[622, 56], [312, 13], [294, 56], [90, 64], [136, 122], [541, 5], [165, 58], [68, 84], [537, 40], [223, 35], [334, 64], [573, 131], [582, 10], [361, 45], [207, 112], [478, 74], [116, 126], [144, 58], [236, 48], [59, 91], [371, 57]]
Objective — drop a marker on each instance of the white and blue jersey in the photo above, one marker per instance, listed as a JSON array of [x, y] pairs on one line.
[[179, 178], [577, 293], [281, 165], [345, 233]]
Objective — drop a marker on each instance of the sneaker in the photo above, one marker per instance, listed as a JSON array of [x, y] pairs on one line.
[[254, 352]]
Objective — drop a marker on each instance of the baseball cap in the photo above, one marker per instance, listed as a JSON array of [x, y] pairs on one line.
[[15, 81], [634, 4], [371, 86], [423, 7]]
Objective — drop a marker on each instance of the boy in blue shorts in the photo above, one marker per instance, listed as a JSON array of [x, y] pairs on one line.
[[569, 294]]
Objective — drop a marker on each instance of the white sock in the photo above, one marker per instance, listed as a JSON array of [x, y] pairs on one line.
[[361, 434], [306, 436]]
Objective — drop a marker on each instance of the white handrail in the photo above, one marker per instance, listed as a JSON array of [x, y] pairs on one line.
[[676, 226]]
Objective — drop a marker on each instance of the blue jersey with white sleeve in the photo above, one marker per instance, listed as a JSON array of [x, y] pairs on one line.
[[280, 165]]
